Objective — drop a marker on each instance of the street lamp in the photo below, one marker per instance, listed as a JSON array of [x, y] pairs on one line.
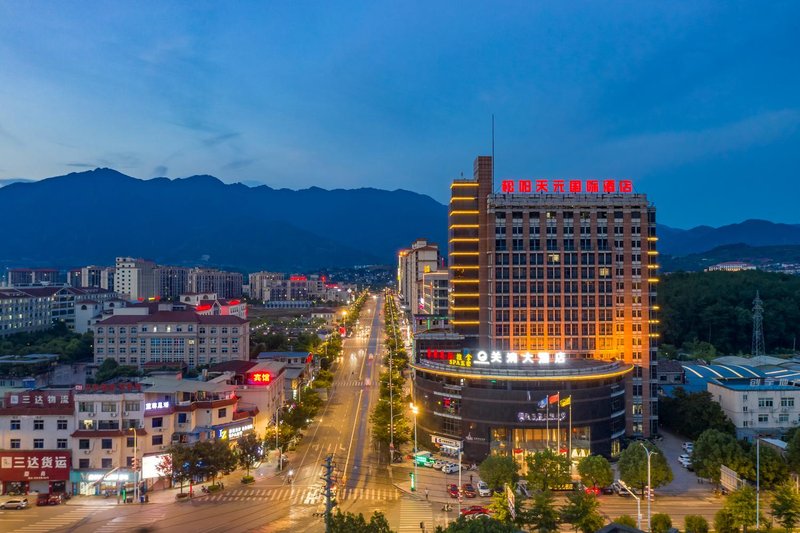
[[415, 410], [638, 504], [135, 465], [277, 432], [649, 487]]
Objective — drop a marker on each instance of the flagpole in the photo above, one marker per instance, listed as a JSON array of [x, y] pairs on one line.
[[570, 429], [558, 425], [547, 421]]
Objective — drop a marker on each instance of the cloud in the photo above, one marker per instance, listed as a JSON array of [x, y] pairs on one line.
[[6, 135], [159, 171], [221, 138], [674, 148], [82, 165], [238, 164]]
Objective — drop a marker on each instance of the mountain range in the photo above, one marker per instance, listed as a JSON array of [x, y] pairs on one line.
[[94, 216]]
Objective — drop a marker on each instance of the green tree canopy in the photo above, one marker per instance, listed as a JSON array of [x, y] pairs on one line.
[[741, 504], [477, 525], [774, 470], [695, 524], [660, 523], [713, 449], [547, 470], [497, 470], [542, 515], [793, 452], [786, 506], [595, 471], [248, 451], [626, 520], [632, 466], [356, 523], [692, 414], [581, 510], [724, 522]]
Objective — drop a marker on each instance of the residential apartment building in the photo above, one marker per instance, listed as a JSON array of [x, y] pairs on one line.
[[225, 284], [559, 266], [29, 309], [92, 276], [435, 293], [421, 258], [764, 407], [171, 337], [135, 279], [24, 277], [261, 285], [171, 282]]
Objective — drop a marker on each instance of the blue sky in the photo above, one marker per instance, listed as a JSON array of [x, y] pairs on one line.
[[697, 102]]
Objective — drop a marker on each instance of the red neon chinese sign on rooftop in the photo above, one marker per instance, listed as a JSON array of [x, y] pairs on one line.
[[607, 186], [259, 378]]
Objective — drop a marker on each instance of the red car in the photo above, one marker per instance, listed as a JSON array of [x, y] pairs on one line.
[[592, 490], [468, 490], [474, 510], [452, 490], [49, 499]]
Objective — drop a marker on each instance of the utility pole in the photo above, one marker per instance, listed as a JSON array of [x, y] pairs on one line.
[[328, 485], [758, 349]]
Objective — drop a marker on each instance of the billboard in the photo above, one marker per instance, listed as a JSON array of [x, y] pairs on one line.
[[150, 465], [34, 465]]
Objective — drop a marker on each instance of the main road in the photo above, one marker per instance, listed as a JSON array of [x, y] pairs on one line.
[[273, 503]]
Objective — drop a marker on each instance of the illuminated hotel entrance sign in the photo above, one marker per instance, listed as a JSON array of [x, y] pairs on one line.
[[466, 358], [567, 186]]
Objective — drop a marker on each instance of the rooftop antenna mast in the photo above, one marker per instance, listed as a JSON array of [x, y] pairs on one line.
[[492, 145], [758, 327]]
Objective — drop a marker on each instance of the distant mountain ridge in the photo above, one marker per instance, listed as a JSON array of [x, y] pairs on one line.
[[94, 216]]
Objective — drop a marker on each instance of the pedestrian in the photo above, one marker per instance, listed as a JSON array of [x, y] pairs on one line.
[[426, 493], [470, 478]]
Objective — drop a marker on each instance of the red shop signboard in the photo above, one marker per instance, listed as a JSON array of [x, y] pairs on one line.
[[31, 466]]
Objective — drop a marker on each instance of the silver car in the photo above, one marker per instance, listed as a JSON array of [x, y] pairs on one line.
[[17, 503]]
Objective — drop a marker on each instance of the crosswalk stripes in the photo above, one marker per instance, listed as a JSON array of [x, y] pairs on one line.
[[62, 520], [303, 496], [132, 521], [349, 383], [413, 513]]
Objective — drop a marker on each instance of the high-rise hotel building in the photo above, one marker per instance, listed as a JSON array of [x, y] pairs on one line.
[[558, 266]]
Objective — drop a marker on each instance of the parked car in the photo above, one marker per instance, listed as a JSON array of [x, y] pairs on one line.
[[48, 499], [592, 490], [474, 510], [438, 464], [452, 490], [483, 489], [16, 503], [688, 447], [450, 468], [468, 490], [608, 490]]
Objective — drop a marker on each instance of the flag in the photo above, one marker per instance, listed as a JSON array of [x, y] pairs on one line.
[[543, 403], [553, 398], [566, 401], [529, 395]]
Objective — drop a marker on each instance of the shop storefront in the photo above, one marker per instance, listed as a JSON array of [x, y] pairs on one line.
[[573, 406], [102, 482], [39, 471], [235, 430]]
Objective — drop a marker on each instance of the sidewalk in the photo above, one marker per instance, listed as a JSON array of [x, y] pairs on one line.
[[262, 472]]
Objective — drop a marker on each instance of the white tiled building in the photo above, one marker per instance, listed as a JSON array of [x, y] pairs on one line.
[[758, 406]]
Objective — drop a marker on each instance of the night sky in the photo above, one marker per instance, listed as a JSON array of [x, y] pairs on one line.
[[698, 103]]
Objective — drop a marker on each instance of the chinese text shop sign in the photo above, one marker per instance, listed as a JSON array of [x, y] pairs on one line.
[[30, 465], [488, 359], [566, 186]]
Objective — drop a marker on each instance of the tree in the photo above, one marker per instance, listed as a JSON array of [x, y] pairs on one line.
[[632, 466], [626, 520], [164, 467], [773, 468], [547, 469], [214, 457], [660, 523], [581, 511], [713, 449], [692, 414], [355, 523], [741, 504], [498, 470], [724, 522], [182, 460], [595, 470], [248, 451], [542, 515], [695, 524], [786, 506], [482, 524], [500, 509], [793, 452]]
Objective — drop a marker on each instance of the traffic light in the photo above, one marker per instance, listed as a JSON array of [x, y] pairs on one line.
[[135, 464], [413, 481]]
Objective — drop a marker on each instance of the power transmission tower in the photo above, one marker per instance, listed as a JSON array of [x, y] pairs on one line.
[[329, 466], [758, 327]]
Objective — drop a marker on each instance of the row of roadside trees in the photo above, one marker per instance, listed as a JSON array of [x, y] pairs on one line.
[[390, 426]]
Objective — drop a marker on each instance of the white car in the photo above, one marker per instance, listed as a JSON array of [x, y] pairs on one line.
[[439, 464], [450, 468], [483, 489], [16, 503], [688, 447]]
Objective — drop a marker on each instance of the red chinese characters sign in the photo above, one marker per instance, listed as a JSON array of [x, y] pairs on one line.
[[259, 378], [567, 186], [30, 465]]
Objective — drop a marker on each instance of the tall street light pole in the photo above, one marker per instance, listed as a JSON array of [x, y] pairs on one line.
[[649, 487], [414, 410]]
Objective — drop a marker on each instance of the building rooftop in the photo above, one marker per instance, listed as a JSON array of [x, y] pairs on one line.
[[170, 385], [172, 317], [755, 384]]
